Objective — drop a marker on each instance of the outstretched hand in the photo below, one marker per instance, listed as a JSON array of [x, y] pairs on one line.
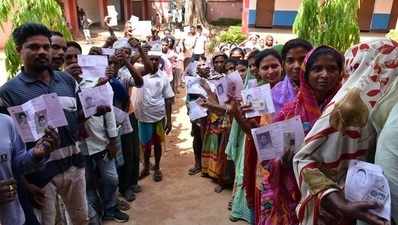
[[354, 210]]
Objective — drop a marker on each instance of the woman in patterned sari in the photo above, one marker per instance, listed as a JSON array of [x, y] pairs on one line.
[[347, 130], [319, 81], [216, 133]]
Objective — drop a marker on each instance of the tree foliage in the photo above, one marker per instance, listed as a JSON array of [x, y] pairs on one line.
[[233, 35], [328, 22], [18, 12]]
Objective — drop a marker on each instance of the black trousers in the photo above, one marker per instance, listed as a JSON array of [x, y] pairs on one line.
[[129, 172], [197, 142]]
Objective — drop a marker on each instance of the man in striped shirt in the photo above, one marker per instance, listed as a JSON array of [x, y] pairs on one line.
[[64, 172]]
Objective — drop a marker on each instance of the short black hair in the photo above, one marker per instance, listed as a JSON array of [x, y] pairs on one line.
[[237, 49], [56, 33], [202, 57], [231, 61], [264, 53], [199, 27], [74, 44], [295, 43], [242, 62], [252, 54], [27, 30]]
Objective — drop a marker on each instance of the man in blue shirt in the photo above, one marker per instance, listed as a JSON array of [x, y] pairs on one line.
[[14, 162], [63, 174]]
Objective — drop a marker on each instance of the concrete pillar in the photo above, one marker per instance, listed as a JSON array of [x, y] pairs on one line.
[[70, 11], [127, 9], [245, 16], [102, 11], [145, 10]]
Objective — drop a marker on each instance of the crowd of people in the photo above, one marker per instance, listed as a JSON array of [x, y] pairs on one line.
[[77, 173]]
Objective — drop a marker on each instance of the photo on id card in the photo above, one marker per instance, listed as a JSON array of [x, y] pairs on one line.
[[260, 100]]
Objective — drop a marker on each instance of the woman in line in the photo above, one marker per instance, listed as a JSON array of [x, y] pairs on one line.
[[237, 54], [269, 64], [235, 151], [319, 82], [293, 54], [217, 128], [347, 130]]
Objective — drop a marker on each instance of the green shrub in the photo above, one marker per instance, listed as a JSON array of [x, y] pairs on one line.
[[19, 12], [329, 22], [233, 35]]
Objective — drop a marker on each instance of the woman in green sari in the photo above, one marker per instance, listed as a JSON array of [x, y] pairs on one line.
[[235, 152]]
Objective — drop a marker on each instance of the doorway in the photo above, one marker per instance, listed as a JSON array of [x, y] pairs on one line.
[[365, 14], [264, 13]]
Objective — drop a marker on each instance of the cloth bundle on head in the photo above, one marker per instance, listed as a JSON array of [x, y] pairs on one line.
[[349, 126]]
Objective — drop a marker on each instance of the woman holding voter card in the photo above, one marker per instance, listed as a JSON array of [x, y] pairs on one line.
[[347, 130], [216, 131], [269, 69], [16, 161]]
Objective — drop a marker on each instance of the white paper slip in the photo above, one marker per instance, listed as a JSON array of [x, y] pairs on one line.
[[108, 51], [93, 66], [134, 19], [91, 98], [34, 116], [221, 90], [196, 111], [273, 140], [194, 87], [366, 182], [234, 84], [112, 14], [123, 120], [142, 28], [251, 83], [260, 98]]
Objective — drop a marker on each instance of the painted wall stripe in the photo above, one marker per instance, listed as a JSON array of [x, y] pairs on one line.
[[380, 21], [252, 17], [284, 18]]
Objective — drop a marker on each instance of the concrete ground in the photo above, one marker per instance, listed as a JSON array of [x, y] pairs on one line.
[[179, 199]]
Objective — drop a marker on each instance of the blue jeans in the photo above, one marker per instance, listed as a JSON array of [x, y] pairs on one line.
[[102, 179]]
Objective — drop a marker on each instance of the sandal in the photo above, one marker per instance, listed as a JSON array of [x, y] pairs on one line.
[[157, 176], [230, 205], [233, 219], [123, 205], [194, 171]]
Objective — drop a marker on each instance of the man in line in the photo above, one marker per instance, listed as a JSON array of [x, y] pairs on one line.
[[199, 47], [153, 105], [130, 77], [99, 149], [64, 172]]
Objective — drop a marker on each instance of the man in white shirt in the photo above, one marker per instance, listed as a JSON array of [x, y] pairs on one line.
[[154, 102], [99, 149], [199, 46]]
